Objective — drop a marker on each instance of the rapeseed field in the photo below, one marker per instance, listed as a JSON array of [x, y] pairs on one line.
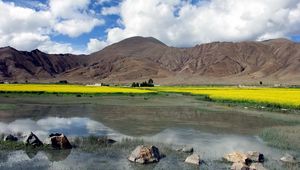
[[278, 96], [52, 88], [289, 97]]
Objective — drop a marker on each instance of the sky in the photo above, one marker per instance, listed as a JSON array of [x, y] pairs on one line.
[[86, 26]]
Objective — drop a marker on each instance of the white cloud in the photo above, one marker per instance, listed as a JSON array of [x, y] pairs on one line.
[[51, 47], [180, 23], [175, 22], [27, 29], [24, 41], [114, 10], [76, 27], [15, 19], [67, 9], [74, 17], [95, 45]]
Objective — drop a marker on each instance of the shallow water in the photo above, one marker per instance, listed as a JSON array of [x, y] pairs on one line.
[[174, 120]]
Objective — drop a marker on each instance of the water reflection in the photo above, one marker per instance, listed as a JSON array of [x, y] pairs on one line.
[[52, 155], [208, 145], [69, 126], [213, 146]]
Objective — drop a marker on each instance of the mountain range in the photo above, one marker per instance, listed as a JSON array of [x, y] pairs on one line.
[[135, 59]]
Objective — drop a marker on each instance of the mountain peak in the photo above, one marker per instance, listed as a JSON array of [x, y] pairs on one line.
[[278, 40], [36, 51], [141, 40], [8, 48]]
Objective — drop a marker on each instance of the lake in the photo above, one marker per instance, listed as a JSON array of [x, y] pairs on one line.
[[173, 120]]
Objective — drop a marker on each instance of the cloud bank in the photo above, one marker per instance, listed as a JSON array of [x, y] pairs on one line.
[[180, 23]]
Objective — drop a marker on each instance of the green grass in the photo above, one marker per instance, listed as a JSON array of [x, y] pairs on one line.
[[7, 106], [284, 137], [11, 146]]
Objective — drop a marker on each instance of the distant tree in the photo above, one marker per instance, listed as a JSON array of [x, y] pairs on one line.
[[137, 84], [133, 84], [261, 83], [144, 84], [63, 82], [150, 83]]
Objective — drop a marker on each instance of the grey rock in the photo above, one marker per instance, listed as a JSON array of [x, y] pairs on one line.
[[142, 154], [255, 156], [33, 140], [257, 166], [10, 138], [186, 149], [59, 141], [287, 158], [239, 166], [193, 159]]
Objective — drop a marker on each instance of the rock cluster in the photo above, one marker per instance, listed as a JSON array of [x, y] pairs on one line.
[[57, 140]]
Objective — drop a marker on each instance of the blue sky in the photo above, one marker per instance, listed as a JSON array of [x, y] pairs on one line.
[[85, 26]]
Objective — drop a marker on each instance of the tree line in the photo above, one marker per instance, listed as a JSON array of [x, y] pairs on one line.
[[150, 83]]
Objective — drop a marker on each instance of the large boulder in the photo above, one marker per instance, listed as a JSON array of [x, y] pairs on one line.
[[33, 140], [193, 159], [59, 141], [287, 158], [142, 154], [10, 138]]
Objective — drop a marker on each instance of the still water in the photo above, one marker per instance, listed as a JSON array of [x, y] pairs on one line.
[[211, 129]]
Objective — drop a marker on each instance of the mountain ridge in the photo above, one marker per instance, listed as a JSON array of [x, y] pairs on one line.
[[275, 61]]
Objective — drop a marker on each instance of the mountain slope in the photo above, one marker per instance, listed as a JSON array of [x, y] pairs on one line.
[[21, 66], [139, 58]]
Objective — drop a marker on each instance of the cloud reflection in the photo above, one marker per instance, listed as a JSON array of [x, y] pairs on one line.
[[75, 126]]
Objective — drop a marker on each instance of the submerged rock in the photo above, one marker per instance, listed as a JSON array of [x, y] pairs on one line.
[[257, 166], [243, 166], [186, 149], [10, 138], [239, 166], [33, 140], [105, 141], [142, 154], [193, 159], [287, 158], [59, 141]]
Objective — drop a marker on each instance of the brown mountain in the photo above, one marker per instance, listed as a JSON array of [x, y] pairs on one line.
[[139, 58]]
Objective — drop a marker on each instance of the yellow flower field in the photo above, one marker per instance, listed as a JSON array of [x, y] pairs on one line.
[[280, 96], [52, 88]]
